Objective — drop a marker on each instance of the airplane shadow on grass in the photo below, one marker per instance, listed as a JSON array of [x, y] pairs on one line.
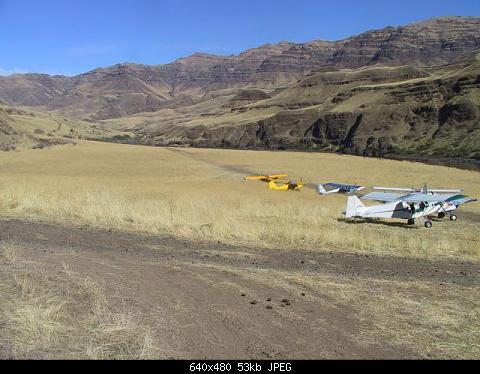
[[370, 221]]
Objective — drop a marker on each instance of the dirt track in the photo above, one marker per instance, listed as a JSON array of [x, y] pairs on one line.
[[191, 293]]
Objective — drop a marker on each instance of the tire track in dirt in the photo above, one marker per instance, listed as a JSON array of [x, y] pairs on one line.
[[43, 235], [190, 293]]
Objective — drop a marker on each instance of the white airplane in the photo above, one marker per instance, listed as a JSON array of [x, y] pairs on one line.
[[331, 188], [410, 206], [438, 194]]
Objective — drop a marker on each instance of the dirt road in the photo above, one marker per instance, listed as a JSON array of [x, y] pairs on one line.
[[204, 300]]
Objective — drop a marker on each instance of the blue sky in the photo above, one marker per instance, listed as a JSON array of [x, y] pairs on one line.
[[71, 37]]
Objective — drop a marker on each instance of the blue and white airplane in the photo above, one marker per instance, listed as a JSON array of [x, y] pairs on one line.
[[331, 188]]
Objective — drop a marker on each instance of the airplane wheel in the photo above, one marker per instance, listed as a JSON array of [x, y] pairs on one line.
[[441, 215], [411, 222], [428, 224], [453, 217]]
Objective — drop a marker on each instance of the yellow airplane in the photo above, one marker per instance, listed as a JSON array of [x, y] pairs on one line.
[[266, 178], [285, 186], [276, 184]]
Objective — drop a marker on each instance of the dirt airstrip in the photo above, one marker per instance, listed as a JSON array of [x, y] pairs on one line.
[[211, 300]]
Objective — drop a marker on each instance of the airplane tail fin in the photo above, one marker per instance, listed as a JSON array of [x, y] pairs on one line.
[[321, 190], [354, 207]]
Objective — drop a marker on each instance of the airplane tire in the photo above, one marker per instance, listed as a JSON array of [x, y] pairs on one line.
[[453, 217], [428, 224], [441, 215], [411, 222]]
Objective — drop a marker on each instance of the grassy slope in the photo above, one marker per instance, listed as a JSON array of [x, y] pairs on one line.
[[29, 129], [199, 194]]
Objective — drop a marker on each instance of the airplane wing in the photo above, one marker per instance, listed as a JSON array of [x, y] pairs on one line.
[[333, 186], [418, 197], [382, 196], [453, 199], [278, 176], [425, 198], [414, 190], [266, 178], [343, 186], [445, 191], [256, 178], [394, 189], [458, 200]]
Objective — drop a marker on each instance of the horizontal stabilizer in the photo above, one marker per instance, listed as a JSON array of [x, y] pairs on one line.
[[323, 191]]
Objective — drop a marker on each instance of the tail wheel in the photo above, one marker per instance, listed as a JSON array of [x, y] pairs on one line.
[[453, 217], [411, 222], [428, 224]]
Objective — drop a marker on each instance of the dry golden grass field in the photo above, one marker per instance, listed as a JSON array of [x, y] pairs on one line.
[[199, 194], [119, 251]]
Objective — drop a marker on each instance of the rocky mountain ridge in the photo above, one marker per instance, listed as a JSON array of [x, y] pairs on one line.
[[126, 89], [399, 90]]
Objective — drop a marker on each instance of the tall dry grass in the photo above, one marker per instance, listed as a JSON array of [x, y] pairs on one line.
[[199, 194], [61, 316]]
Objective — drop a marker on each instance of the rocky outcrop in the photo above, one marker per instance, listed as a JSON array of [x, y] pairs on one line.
[[437, 41], [244, 97]]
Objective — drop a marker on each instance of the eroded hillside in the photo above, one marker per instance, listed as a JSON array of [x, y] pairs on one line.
[[368, 111]]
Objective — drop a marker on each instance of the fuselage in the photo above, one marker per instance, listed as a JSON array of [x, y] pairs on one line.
[[400, 209]]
